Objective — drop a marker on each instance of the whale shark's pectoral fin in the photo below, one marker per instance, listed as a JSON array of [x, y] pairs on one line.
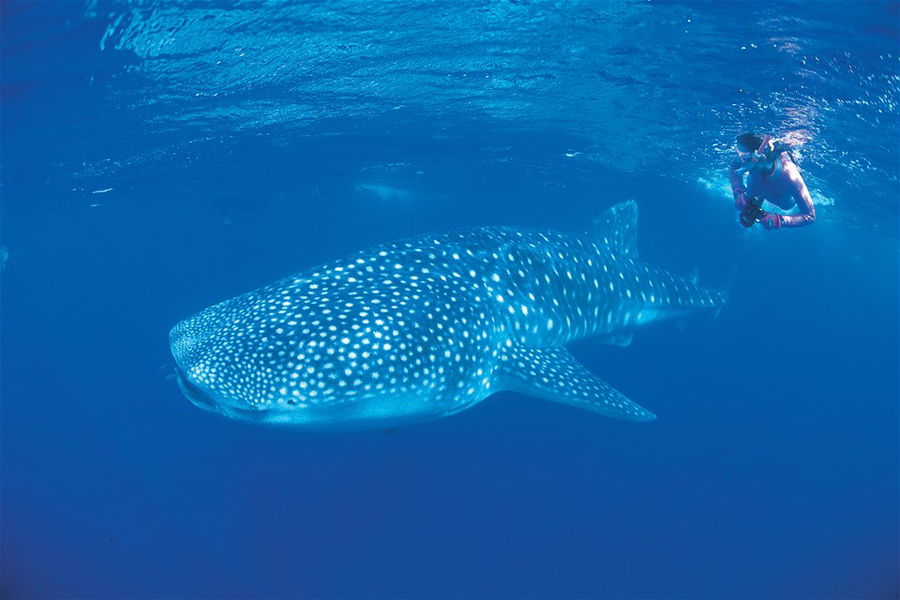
[[554, 374], [617, 228]]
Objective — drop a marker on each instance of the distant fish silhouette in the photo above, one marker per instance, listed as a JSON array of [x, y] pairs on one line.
[[424, 328], [384, 192]]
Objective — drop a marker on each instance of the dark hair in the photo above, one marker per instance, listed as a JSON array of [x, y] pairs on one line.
[[749, 141]]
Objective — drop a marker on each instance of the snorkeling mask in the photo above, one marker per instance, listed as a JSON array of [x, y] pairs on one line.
[[749, 159]]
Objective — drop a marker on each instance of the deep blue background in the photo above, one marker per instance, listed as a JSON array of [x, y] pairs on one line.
[[235, 142]]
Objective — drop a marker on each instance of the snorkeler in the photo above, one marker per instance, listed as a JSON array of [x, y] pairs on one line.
[[773, 176]]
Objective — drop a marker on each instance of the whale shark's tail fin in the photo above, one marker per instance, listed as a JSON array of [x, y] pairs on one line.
[[554, 374]]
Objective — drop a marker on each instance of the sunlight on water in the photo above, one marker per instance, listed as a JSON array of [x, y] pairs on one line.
[[358, 66]]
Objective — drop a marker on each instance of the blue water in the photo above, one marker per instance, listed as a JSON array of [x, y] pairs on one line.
[[160, 157]]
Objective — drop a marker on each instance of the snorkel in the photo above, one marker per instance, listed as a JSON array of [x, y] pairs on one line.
[[750, 159]]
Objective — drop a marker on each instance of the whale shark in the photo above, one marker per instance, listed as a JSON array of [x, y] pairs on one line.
[[429, 326]]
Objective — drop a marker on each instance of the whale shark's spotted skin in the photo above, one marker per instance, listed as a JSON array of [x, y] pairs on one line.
[[426, 327]]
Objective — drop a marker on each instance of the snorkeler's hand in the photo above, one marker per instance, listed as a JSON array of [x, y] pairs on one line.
[[771, 221]]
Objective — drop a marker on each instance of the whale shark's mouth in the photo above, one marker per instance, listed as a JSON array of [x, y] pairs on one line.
[[214, 403], [193, 392], [340, 418]]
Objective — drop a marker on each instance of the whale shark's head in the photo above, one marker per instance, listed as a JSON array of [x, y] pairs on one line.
[[324, 353], [209, 372]]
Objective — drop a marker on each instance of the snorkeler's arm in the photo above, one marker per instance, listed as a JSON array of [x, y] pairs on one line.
[[737, 181], [807, 214]]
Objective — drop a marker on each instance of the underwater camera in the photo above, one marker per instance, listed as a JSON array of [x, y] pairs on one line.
[[752, 212]]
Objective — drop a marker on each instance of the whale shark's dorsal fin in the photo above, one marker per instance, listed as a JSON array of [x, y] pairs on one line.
[[617, 228], [554, 374]]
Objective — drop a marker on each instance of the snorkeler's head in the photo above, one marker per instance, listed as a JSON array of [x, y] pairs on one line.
[[748, 142], [751, 149]]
